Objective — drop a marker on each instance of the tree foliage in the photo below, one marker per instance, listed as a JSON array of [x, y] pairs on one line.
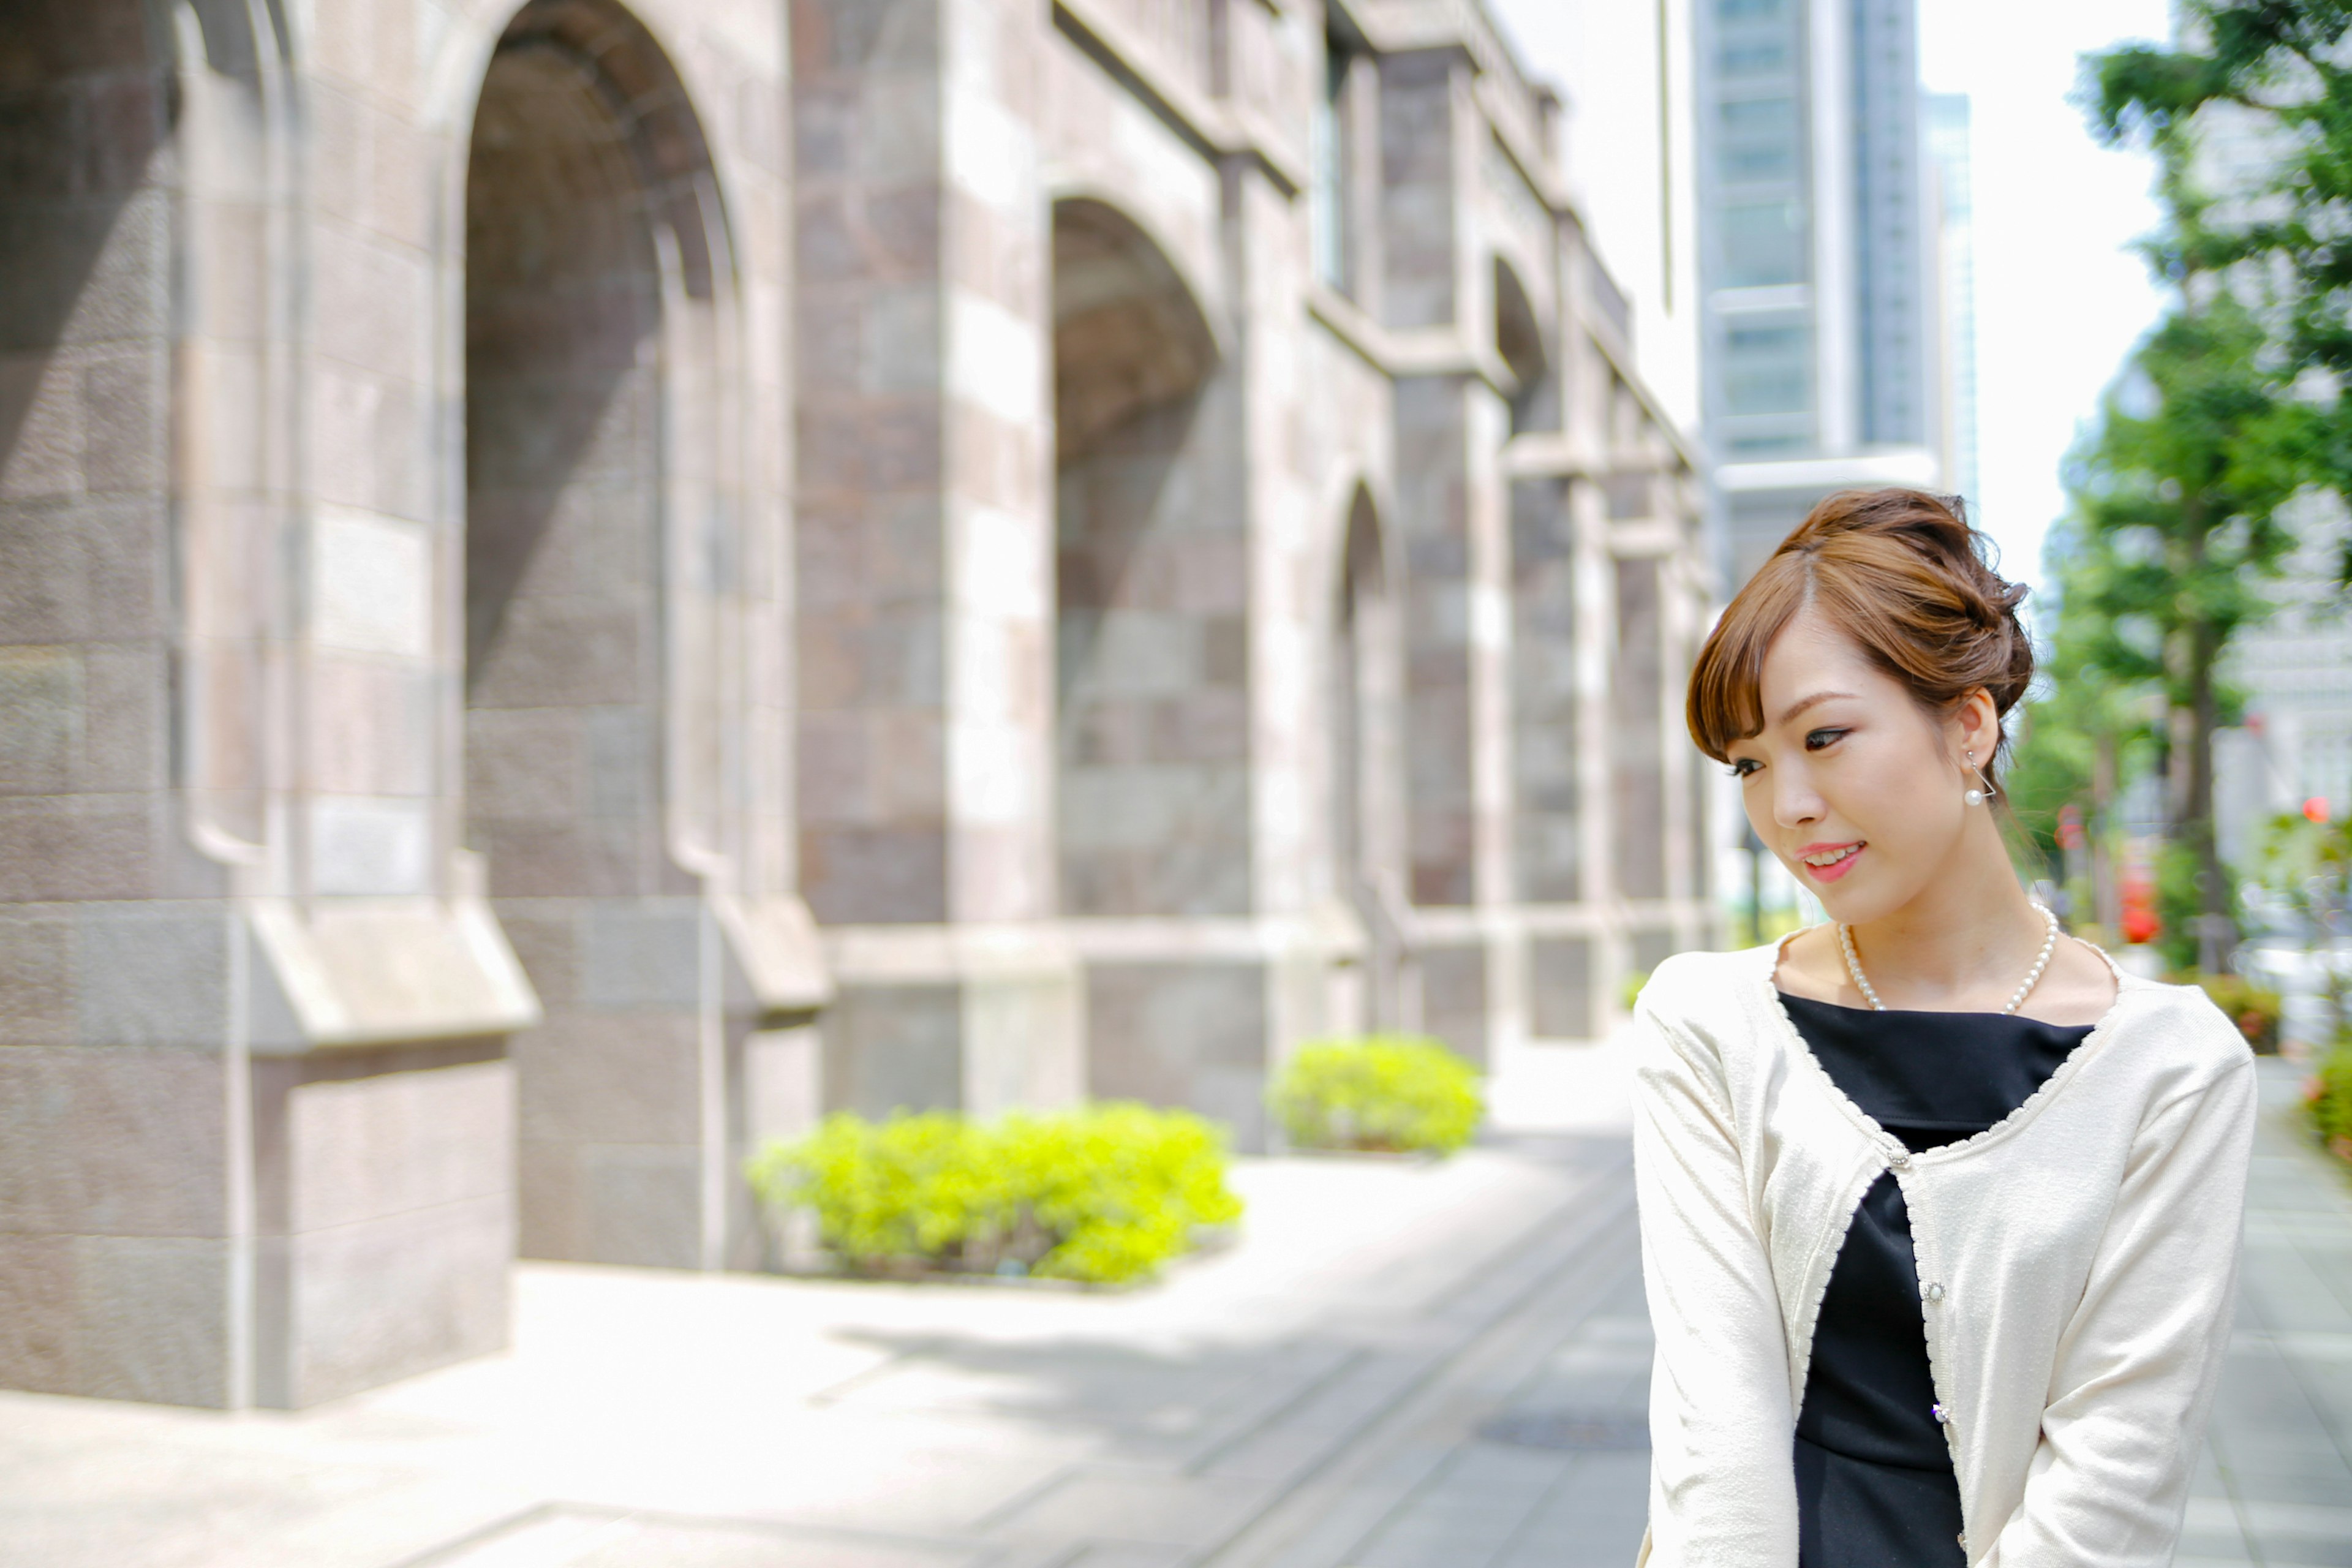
[[2229, 408]]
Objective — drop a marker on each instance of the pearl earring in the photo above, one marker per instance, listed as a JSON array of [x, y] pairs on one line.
[[1978, 797]]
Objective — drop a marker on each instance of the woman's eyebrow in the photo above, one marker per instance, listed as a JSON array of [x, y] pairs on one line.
[[1802, 703]]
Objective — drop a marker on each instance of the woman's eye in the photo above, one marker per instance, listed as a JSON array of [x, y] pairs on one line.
[[1744, 766], [1816, 739]]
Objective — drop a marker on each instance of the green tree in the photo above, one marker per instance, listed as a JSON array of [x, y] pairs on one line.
[[2278, 68], [2177, 502]]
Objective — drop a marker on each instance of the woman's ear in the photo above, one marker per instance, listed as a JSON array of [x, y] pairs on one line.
[[1977, 726]]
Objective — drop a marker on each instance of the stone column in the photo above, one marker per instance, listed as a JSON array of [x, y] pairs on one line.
[[925, 564]]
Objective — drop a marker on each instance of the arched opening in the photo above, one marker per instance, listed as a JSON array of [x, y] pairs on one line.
[[1519, 341], [590, 276], [1366, 678], [86, 233], [1151, 584]]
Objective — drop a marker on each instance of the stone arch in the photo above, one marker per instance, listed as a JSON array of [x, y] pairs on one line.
[[602, 421], [597, 424], [1366, 683], [1151, 585], [1519, 343]]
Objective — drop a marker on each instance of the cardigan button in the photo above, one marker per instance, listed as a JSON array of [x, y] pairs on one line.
[[1901, 1160], [1934, 1292], [1943, 1417]]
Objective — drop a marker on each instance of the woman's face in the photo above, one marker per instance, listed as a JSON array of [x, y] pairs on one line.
[[1857, 789]]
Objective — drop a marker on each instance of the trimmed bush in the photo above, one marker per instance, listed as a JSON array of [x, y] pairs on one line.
[[1385, 1092], [1105, 1193]]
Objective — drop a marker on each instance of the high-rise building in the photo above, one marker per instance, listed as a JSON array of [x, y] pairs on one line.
[[1955, 210], [1818, 265]]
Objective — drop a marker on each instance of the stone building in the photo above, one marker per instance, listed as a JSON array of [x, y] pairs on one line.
[[579, 583]]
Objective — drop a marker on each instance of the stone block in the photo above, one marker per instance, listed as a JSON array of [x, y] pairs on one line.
[[370, 847], [637, 958], [526, 763], [37, 1295], [784, 1084], [41, 411], [558, 859], [37, 977], [374, 729], [41, 718], [624, 763], [372, 584], [125, 1143], [641, 1205], [890, 1048], [856, 876], [369, 1149], [394, 1296], [152, 1318], [1561, 985], [566, 653], [1453, 1000], [92, 572], [152, 975], [588, 1077], [546, 940], [547, 1200], [1189, 1034], [126, 401], [125, 720]]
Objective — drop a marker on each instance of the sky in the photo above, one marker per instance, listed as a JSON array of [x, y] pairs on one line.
[[2060, 298]]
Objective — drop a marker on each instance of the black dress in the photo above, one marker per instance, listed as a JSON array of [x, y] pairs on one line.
[[1874, 1481]]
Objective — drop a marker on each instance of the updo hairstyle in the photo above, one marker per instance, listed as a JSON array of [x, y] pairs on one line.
[[1902, 574]]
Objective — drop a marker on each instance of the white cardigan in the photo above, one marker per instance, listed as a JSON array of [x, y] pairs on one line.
[[2076, 1265]]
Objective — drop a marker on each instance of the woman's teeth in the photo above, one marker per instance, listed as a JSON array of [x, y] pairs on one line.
[[1831, 857]]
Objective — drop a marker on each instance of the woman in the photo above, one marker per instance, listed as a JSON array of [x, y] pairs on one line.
[[1939, 1209]]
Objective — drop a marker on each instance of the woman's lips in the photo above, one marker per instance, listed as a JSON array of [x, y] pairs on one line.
[[1850, 853]]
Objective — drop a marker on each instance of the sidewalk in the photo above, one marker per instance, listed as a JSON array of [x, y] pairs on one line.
[[654, 1420], [1402, 1366], [2276, 1487]]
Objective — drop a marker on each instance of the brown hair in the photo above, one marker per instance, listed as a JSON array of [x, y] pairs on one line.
[[1902, 574]]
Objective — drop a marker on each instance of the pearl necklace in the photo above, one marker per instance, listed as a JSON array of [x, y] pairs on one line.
[[2034, 977]]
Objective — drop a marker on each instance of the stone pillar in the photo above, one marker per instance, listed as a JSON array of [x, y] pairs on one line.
[[260, 1134], [1454, 533], [926, 559], [624, 572]]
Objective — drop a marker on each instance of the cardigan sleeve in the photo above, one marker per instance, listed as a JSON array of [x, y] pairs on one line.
[[2140, 1358], [1722, 1484]]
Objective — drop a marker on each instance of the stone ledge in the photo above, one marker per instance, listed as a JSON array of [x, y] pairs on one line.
[[358, 972]]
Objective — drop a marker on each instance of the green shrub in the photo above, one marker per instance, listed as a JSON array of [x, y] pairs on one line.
[[2255, 1009], [1383, 1092], [1103, 1194], [2328, 1102]]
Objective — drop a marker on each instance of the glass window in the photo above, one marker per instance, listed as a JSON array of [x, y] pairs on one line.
[[1328, 194], [1758, 139], [1753, 57], [1763, 244], [1767, 368]]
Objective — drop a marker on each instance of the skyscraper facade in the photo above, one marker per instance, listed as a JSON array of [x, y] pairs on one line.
[[1823, 353]]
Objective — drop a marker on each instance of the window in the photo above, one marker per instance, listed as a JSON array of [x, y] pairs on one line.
[[1758, 140], [1767, 368], [1763, 244], [1753, 57], [1750, 10], [1328, 212]]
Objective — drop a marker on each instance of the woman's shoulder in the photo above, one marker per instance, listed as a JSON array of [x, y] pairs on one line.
[[2177, 1026], [1701, 985]]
